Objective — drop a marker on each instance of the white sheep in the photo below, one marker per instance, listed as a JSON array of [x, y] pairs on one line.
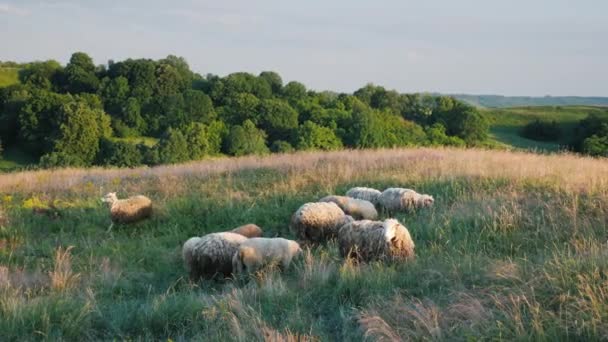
[[357, 208], [318, 222], [400, 199], [211, 255], [376, 240], [256, 253], [363, 193], [129, 210], [249, 230]]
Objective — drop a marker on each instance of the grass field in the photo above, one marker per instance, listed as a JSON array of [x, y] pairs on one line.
[[513, 249], [506, 124], [8, 76]]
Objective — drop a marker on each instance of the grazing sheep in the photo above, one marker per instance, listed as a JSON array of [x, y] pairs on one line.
[[318, 222], [249, 230], [211, 255], [130, 210], [357, 208], [366, 194], [376, 240], [256, 253], [400, 199]]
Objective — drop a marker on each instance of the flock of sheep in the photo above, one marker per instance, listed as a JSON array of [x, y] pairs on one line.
[[351, 219]]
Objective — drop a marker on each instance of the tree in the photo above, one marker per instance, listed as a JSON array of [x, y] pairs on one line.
[[314, 137], [294, 92], [274, 81], [173, 147], [40, 74], [80, 130], [203, 140], [198, 106], [596, 145], [280, 146], [79, 75], [278, 119], [246, 139], [241, 107], [118, 153]]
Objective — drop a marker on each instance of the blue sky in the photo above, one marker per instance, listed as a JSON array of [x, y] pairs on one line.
[[533, 47]]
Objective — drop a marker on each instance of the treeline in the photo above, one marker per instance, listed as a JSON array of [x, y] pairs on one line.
[[81, 114]]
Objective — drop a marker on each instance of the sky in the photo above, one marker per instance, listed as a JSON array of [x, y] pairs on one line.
[[516, 47]]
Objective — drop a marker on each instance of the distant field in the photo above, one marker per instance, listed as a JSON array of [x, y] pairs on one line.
[[8, 76], [148, 141], [498, 101], [513, 249], [506, 123]]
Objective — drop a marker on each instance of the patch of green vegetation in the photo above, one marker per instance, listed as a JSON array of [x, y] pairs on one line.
[[8, 76], [147, 141], [507, 123], [13, 158], [496, 258]]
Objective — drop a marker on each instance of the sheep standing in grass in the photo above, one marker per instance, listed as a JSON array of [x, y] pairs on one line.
[[249, 230], [366, 194], [400, 199], [211, 255], [376, 240], [357, 208], [129, 210], [318, 222], [256, 253]]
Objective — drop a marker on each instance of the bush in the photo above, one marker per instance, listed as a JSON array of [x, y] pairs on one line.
[[246, 139], [119, 153], [589, 126], [312, 137], [59, 159], [280, 146], [540, 130], [596, 146], [173, 147], [204, 140], [436, 136]]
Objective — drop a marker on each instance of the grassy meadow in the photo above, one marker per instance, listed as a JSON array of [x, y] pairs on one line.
[[506, 124], [513, 249]]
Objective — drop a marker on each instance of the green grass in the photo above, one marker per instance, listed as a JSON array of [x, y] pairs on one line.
[[8, 76], [506, 252], [148, 141], [506, 124]]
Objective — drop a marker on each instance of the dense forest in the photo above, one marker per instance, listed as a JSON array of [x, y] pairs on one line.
[[81, 114], [142, 111]]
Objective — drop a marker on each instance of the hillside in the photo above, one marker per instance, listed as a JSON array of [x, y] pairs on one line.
[[499, 101], [8, 76], [507, 123], [513, 249]]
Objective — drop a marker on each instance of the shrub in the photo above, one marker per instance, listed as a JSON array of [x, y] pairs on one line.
[[312, 137], [280, 146], [436, 136], [119, 153], [173, 147], [596, 145], [246, 139]]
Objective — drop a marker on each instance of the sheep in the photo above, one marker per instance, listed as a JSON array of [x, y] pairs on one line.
[[366, 194], [211, 255], [400, 199], [357, 208], [129, 210], [249, 230], [256, 253], [317, 222], [376, 240]]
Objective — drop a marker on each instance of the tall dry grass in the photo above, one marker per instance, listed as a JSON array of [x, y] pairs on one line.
[[569, 171]]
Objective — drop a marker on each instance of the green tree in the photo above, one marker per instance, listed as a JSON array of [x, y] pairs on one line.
[[241, 107], [79, 75], [314, 137], [596, 145], [294, 92], [198, 106], [278, 119], [246, 139], [274, 80], [280, 146], [173, 147], [80, 130], [40, 74], [118, 153], [203, 140]]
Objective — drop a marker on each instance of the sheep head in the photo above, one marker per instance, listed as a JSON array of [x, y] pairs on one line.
[[110, 198]]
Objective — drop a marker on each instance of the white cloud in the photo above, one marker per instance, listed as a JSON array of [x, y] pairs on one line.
[[13, 10]]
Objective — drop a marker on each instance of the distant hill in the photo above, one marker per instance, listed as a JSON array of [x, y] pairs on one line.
[[498, 101]]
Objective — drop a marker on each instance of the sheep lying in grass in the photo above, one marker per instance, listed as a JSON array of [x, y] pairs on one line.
[[211, 255], [249, 230], [357, 208], [256, 253], [129, 210], [318, 222], [400, 199], [366, 194], [376, 240]]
